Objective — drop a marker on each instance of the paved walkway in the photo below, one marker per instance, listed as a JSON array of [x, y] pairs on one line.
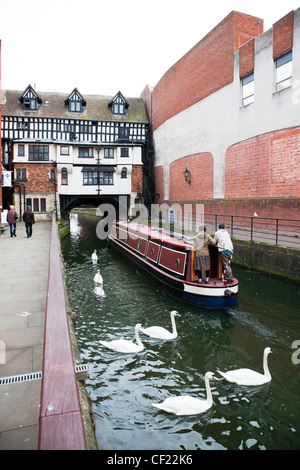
[[24, 264]]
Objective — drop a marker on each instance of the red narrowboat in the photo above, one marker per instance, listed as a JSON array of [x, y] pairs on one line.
[[168, 258]]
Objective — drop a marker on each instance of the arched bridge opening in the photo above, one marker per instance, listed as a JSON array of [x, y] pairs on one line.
[[119, 204]]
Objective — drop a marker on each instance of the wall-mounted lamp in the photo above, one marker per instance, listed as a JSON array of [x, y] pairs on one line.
[[187, 175]]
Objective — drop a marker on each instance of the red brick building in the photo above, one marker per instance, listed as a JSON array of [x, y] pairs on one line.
[[227, 114]]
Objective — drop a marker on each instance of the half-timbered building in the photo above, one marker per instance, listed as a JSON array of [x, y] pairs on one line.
[[68, 150]]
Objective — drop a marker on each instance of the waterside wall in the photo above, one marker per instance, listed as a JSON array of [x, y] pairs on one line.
[[278, 261]]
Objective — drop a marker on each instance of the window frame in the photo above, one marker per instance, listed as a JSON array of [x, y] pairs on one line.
[[88, 150], [64, 177], [21, 174], [30, 104], [64, 150], [109, 153], [39, 155], [96, 178], [21, 150], [124, 152], [247, 89], [283, 65]]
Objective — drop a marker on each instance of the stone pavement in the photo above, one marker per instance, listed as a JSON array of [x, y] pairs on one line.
[[24, 264]]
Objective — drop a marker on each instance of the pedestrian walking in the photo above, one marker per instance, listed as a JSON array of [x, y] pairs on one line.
[[12, 218], [28, 218]]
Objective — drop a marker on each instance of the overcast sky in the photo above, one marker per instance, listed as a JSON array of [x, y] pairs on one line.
[[102, 47]]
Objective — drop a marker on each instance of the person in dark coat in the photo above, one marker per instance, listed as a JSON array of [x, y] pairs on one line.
[[29, 220], [11, 220]]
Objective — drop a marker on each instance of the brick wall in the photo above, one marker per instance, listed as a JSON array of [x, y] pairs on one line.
[[280, 208], [206, 68], [264, 166], [201, 169], [246, 58], [136, 178], [38, 177], [283, 34], [159, 182]]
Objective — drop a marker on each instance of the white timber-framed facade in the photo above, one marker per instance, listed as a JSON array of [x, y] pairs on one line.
[[67, 150]]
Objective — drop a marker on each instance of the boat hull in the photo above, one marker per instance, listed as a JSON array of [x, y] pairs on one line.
[[216, 295]]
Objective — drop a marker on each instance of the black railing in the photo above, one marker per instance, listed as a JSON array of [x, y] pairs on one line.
[[284, 232], [264, 229]]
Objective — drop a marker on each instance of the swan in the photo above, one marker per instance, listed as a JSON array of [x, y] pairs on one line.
[[248, 376], [98, 278], [99, 291], [162, 333], [94, 257], [186, 405], [124, 345]]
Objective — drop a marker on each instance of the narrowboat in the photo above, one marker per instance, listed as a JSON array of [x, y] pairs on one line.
[[168, 258]]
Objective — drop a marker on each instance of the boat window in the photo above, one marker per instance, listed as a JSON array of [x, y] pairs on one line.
[[139, 244], [177, 262]]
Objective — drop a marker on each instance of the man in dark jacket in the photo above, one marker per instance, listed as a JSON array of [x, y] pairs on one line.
[[28, 218]]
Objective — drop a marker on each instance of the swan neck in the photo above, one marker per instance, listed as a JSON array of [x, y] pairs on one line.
[[137, 337], [265, 366], [173, 324], [208, 391]]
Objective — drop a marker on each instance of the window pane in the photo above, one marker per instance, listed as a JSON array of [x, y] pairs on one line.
[[43, 204], [284, 84], [21, 151], [248, 100], [35, 205], [64, 150], [248, 89], [284, 71], [285, 58]]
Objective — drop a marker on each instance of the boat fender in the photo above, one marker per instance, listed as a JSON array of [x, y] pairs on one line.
[[228, 293]]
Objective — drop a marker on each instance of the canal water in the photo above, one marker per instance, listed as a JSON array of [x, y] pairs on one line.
[[123, 387]]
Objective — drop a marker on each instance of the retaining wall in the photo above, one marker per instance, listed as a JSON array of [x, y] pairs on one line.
[[278, 261]]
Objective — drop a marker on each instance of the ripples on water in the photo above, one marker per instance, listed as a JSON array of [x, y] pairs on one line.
[[123, 387]]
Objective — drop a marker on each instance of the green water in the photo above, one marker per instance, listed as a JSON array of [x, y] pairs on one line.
[[123, 387]]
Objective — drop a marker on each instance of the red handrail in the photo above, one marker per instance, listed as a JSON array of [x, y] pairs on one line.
[[61, 423]]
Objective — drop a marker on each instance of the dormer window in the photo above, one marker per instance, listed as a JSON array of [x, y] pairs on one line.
[[118, 104], [30, 99], [75, 102]]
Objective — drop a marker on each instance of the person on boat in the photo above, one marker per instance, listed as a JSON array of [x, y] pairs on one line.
[[225, 247], [202, 258]]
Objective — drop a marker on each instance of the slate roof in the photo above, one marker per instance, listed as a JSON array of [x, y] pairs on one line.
[[53, 105]]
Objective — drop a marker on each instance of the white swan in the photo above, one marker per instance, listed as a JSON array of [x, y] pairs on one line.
[[186, 405], [124, 345], [248, 376], [98, 278], [94, 257], [99, 291], [160, 332]]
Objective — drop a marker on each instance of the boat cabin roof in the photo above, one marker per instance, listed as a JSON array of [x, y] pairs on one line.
[[145, 231]]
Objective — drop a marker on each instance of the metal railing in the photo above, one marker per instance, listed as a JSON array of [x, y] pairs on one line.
[[270, 230], [284, 232]]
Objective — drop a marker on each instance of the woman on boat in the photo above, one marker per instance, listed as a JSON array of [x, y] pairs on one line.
[[202, 258]]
